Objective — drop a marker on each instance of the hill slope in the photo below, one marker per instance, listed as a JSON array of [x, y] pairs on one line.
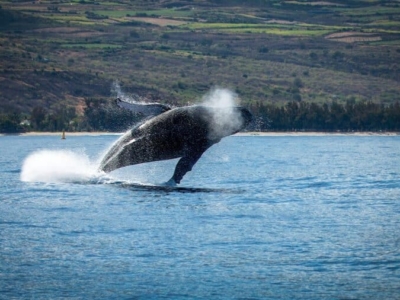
[[57, 54]]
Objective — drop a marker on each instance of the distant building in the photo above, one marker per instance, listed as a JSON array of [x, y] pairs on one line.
[[25, 123]]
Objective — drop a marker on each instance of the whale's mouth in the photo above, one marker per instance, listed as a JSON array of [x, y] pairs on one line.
[[111, 159]]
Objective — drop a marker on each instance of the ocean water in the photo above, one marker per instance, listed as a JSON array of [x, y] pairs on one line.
[[258, 218]]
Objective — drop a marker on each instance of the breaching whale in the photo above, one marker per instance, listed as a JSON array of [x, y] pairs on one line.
[[183, 132]]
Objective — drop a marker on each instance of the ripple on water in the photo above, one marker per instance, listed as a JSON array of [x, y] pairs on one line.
[[258, 217]]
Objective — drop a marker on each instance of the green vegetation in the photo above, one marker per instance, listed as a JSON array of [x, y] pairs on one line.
[[348, 117], [173, 13], [55, 55]]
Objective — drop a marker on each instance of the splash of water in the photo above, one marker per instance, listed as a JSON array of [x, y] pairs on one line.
[[117, 92], [220, 97], [225, 119], [55, 166]]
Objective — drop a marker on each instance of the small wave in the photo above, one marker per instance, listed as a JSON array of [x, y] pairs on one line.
[[180, 189], [12, 171]]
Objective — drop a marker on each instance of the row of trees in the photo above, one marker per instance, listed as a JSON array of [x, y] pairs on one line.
[[101, 115], [62, 118], [11, 123], [305, 116]]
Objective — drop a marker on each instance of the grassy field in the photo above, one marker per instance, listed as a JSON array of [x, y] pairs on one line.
[[171, 13], [60, 53]]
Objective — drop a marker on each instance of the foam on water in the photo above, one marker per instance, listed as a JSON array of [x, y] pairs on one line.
[[54, 166], [67, 166]]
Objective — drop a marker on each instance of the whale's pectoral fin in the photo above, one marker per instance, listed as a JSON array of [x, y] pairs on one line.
[[185, 164]]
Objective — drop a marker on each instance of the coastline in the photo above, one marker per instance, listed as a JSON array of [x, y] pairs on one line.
[[270, 134], [39, 133], [317, 133]]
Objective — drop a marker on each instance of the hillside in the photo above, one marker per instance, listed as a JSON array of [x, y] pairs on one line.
[[57, 54]]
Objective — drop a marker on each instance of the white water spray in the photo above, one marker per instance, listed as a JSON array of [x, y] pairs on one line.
[[226, 119], [55, 166], [220, 97], [117, 92]]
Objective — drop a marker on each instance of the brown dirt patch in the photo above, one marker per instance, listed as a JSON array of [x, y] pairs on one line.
[[359, 39], [352, 37], [347, 33]]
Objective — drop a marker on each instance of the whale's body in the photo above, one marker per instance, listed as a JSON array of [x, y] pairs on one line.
[[185, 132]]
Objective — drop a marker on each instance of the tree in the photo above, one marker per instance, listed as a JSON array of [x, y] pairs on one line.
[[38, 117], [10, 123]]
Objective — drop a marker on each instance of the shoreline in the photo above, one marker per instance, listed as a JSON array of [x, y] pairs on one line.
[[318, 133], [59, 133], [253, 133]]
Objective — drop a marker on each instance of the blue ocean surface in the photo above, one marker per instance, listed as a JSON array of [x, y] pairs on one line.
[[259, 217]]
